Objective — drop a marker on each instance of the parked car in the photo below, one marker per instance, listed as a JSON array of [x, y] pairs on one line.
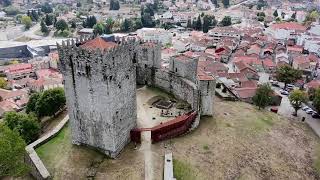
[[309, 111], [283, 92], [305, 108], [274, 109], [315, 115], [290, 86]]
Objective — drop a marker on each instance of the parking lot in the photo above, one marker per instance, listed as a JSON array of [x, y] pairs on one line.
[[285, 109]]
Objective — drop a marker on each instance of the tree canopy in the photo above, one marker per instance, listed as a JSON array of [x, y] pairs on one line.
[[6, 3], [26, 125], [44, 28], [296, 98], [12, 151], [126, 25], [262, 98], [98, 28], [90, 22], [3, 83], [226, 3], [50, 102], [61, 25], [46, 8], [26, 21], [114, 5], [275, 13], [316, 99], [208, 21], [226, 21], [287, 74]]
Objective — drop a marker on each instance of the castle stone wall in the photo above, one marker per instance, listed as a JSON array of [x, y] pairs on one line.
[[100, 88], [207, 93]]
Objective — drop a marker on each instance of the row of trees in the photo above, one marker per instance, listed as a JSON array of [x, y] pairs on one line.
[[19, 129], [204, 24]]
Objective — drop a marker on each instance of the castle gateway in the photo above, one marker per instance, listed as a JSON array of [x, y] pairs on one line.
[[100, 84]]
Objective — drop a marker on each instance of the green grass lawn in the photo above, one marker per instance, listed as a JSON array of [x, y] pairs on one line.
[[51, 151], [183, 171]]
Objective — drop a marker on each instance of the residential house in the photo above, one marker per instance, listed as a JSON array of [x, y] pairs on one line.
[[155, 34], [246, 69], [285, 30], [19, 71]]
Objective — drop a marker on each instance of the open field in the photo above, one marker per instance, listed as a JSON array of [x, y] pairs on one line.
[[240, 142]]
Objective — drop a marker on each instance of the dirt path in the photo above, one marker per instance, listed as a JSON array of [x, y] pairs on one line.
[[145, 148]]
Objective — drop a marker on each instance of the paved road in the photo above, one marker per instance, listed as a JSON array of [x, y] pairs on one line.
[[286, 110]]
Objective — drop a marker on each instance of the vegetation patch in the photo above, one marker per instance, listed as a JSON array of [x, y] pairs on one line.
[[49, 152], [183, 170]]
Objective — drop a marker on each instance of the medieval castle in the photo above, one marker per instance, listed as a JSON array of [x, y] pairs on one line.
[[100, 80]]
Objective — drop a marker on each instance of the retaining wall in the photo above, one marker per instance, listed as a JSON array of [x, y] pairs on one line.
[[38, 169]]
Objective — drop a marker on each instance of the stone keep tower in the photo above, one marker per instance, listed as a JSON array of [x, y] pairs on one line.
[[100, 86]]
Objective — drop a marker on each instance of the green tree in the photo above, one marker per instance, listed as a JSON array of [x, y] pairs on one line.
[[226, 21], [147, 21], [46, 8], [126, 25], [296, 98], [138, 24], [26, 21], [50, 102], [90, 22], [78, 4], [44, 28], [226, 3], [275, 13], [6, 3], [287, 75], [316, 99], [114, 5], [312, 16], [283, 15], [98, 28], [189, 23], [49, 19], [31, 105], [208, 21], [294, 15], [261, 18], [73, 24], [3, 83], [26, 125], [198, 25], [12, 151], [262, 98], [61, 25]]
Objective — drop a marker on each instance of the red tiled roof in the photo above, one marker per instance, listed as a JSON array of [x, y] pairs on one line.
[[268, 63], [250, 60], [98, 43], [203, 76], [313, 84], [249, 84], [19, 67], [244, 93], [289, 26], [5, 94], [295, 48], [301, 59]]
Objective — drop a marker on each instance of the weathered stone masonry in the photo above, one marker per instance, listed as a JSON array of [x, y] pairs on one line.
[[101, 89]]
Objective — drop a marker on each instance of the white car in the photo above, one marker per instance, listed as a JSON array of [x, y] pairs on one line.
[[283, 92], [309, 111], [305, 108]]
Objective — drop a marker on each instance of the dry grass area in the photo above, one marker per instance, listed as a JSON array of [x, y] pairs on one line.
[[241, 142]]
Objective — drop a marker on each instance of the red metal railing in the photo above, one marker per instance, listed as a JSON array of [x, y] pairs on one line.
[[170, 129]]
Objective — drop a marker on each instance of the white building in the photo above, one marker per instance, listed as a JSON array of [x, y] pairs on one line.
[[155, 34], [285, 30]]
